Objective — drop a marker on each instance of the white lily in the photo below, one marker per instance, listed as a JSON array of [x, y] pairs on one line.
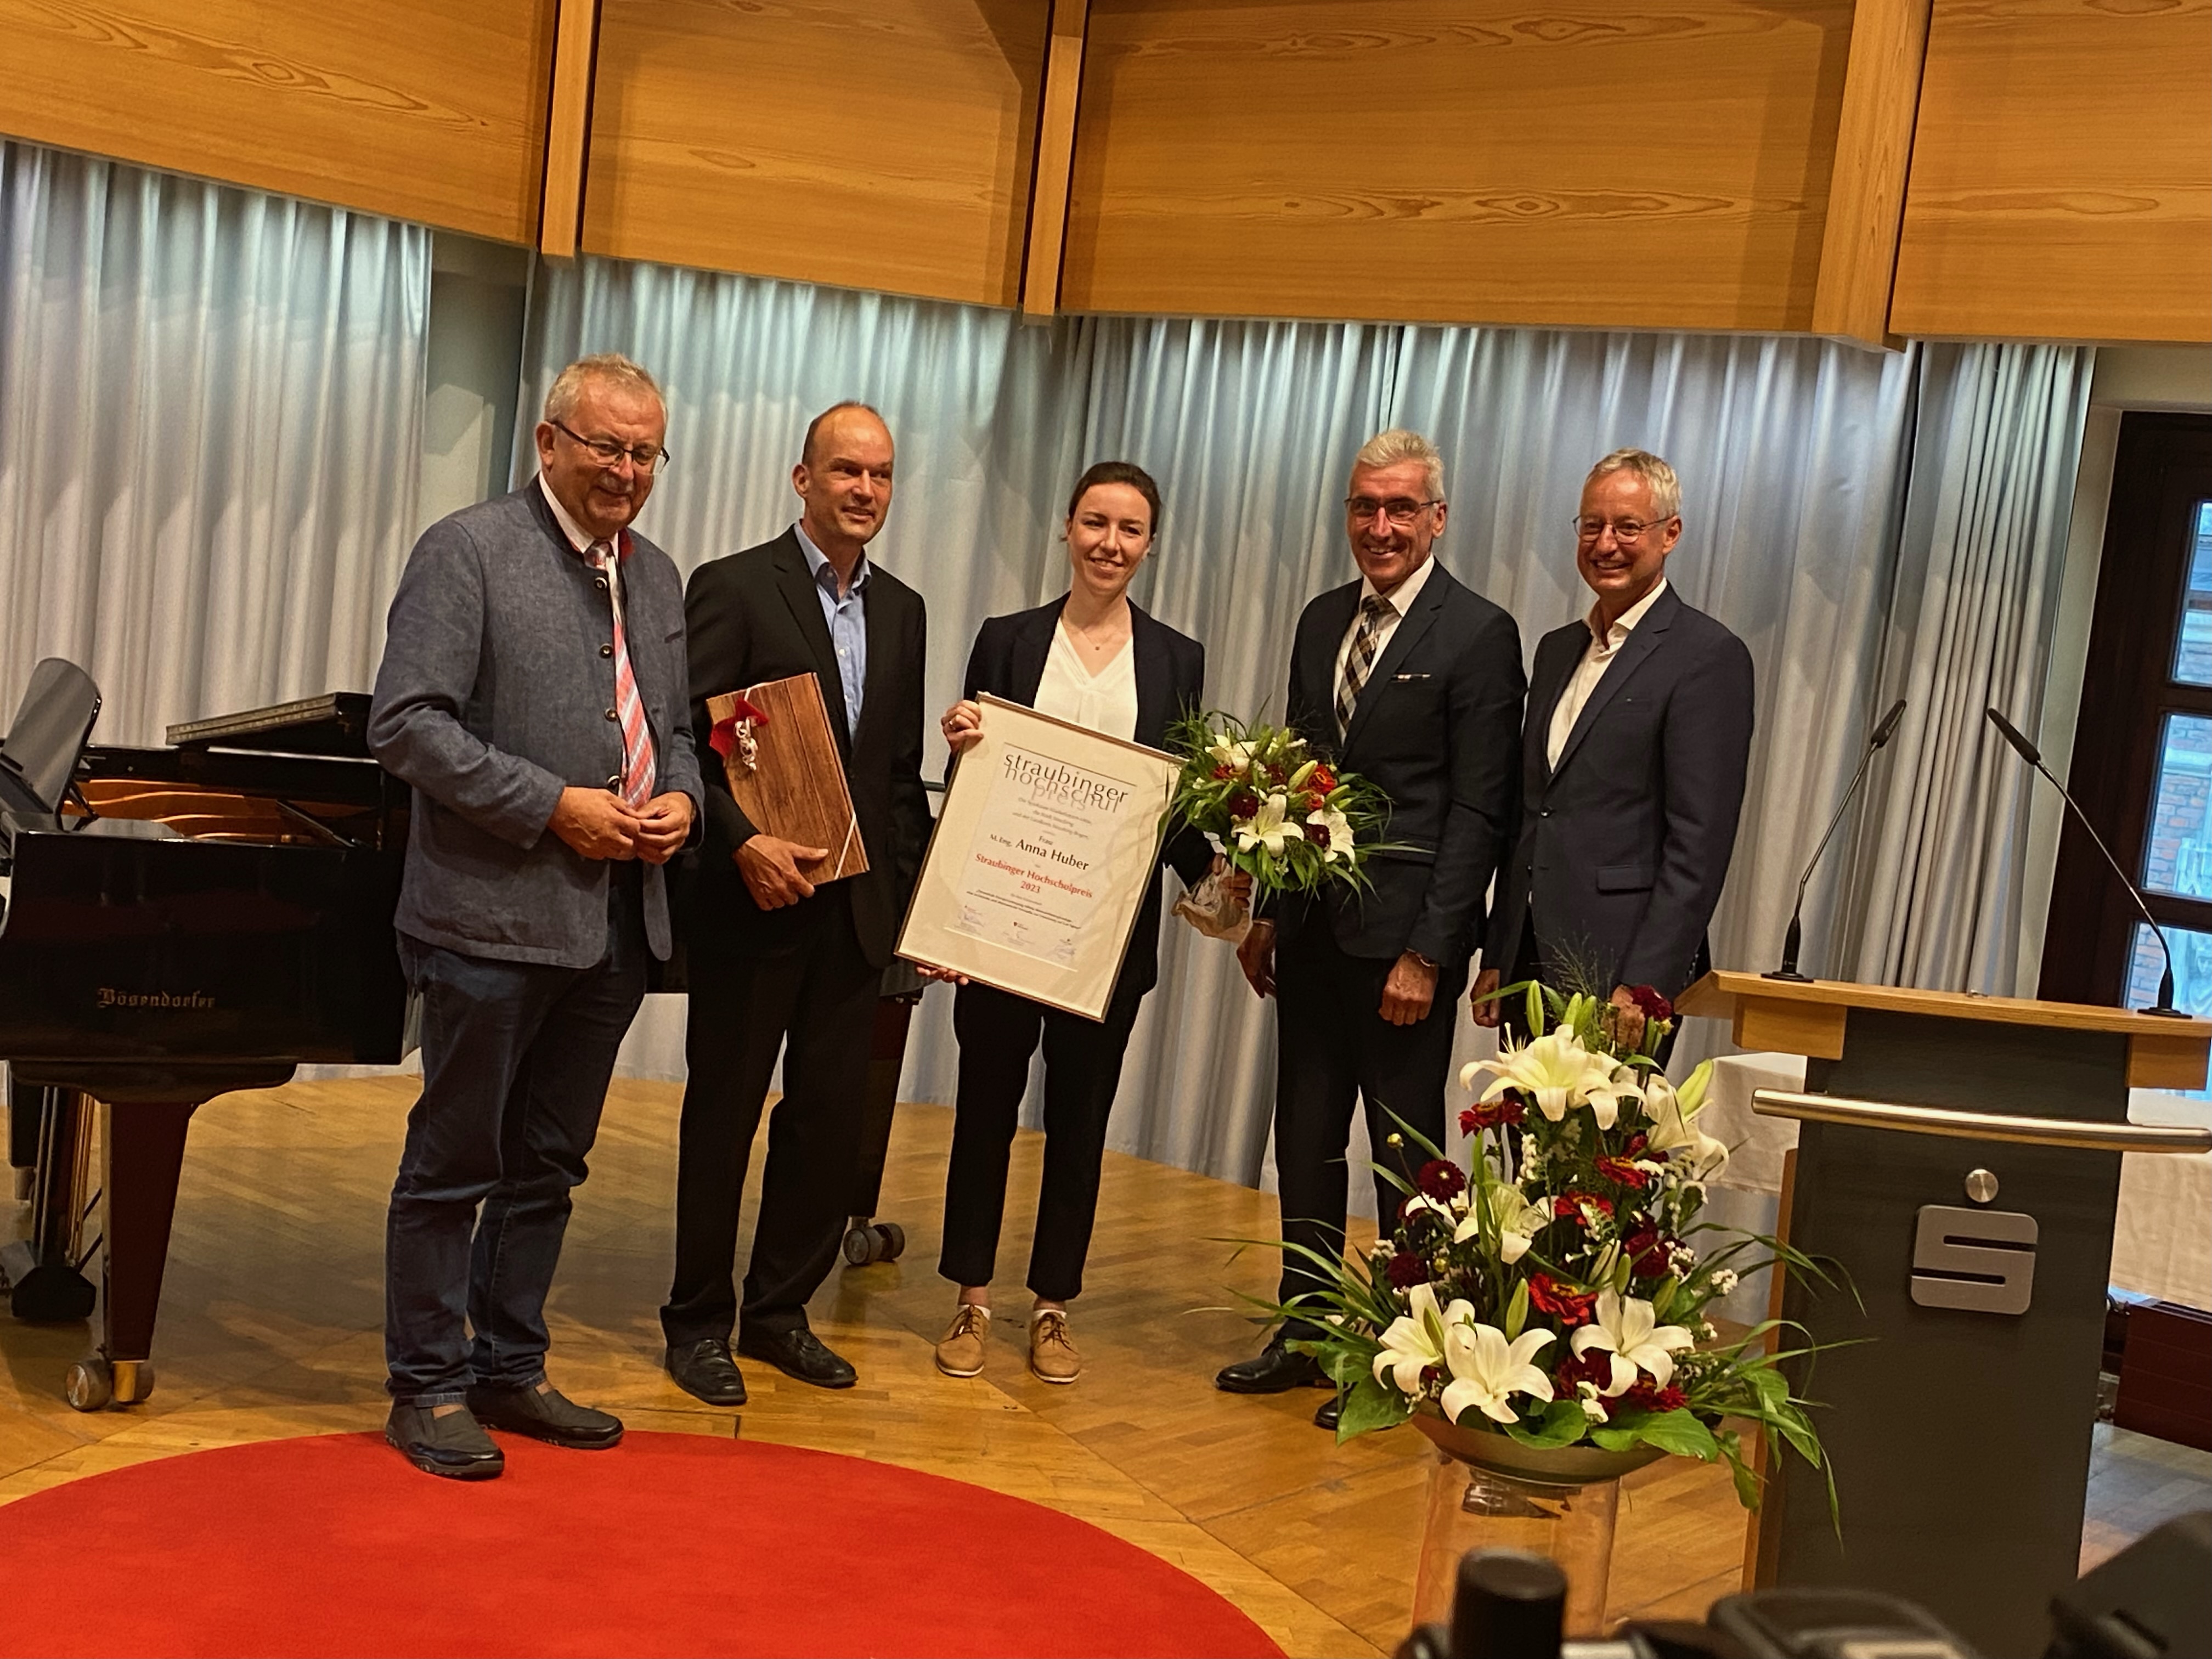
[[1486, 1370], [1415, 1339], [1270, 827], [1337, 829], [1229, 752], [1673, 1125], [1560, 1074], [1626, 1328], [1517, 1220]]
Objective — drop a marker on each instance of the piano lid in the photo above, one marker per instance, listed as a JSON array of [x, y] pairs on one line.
[[335, 723]]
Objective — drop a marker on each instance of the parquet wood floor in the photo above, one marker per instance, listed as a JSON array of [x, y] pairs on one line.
[[271, 1317]]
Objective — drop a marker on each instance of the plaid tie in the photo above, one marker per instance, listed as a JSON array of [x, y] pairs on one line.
[[637, 772], [1359, 661]]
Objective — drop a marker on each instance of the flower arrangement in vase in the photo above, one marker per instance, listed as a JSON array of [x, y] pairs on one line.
[[1546, 1303]]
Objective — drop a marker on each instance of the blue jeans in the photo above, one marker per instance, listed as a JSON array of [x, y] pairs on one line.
[[516, 1058]]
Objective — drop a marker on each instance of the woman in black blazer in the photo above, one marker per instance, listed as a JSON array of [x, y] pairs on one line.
[[1094, 657]]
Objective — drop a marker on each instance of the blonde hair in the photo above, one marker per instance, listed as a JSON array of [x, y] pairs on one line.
[[608, 366], [1658, 477], [1389, 448]]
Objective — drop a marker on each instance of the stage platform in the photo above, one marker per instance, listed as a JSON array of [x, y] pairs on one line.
[[270, 1327]]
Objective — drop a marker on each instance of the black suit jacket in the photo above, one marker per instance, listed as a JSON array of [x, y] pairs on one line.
[[1008, 661], [1434, 729], [756, 615], [1620, 854]]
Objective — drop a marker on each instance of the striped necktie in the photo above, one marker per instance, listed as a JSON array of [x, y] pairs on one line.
[[637, 772], [1359, 661]]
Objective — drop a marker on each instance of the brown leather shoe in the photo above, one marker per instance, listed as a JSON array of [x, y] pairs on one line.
[[960, 1350], [1052, 1356]]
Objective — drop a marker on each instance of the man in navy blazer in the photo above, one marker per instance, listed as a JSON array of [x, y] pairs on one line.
[[1632, 768], [532, 693], [1414, 682]]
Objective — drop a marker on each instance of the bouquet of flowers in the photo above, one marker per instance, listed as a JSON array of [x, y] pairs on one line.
[[1554, 1291], [1274, 809]]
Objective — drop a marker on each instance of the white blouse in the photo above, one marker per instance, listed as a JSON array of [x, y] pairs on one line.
[[1106, 702]]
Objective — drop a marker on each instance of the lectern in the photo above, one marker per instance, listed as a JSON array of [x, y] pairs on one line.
[[1960, 1156]]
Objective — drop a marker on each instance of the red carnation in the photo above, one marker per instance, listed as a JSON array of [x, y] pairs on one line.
[[1624, 1171], [1649, 1003], [1643, 1395], [1406, 1270], [1577, 1369], [1569, 1206], [1489, 1113], [1441, 1180], [1223, 773], [1646, 1250], [1323, 780], [1244, 805], [1569, 1307]]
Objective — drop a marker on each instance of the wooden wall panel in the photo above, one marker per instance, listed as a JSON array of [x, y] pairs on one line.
[[1462, 162], [413, 108], [874, 143], [2062, 172]]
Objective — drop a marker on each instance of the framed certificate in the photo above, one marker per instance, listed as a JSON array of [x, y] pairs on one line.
[[1048, 837]]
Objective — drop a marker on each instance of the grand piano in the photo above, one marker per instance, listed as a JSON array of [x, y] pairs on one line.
[[178, 922]]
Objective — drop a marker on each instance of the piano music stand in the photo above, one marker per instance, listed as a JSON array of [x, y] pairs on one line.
[[1960, 1156]]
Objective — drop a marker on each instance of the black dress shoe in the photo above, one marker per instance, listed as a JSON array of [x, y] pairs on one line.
[[1331, 1409], [453, 1445], [705, 1371], [1275, 1369], [545, 1414], [799, 1353]]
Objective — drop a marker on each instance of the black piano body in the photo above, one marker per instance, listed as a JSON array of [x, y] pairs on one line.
[[190, 921]]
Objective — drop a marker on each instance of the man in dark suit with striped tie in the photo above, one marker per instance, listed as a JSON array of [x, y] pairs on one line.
[[1414, 682]]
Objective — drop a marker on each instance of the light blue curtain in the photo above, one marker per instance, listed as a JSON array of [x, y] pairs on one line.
[[1806, 467], [211, 413]]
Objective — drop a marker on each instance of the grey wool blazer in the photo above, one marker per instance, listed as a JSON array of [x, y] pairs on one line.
[[498, 673]]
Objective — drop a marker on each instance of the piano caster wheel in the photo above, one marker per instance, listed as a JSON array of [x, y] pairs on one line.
[[868, 1243], [97, 1383], [90, 1385]]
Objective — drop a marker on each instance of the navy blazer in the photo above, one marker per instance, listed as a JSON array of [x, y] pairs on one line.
[[756, 615], [1620, 854], [492, 697], [1434, 729], [1008, 662]]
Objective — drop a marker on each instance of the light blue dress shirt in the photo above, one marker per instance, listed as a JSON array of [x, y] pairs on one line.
[[848, 623]]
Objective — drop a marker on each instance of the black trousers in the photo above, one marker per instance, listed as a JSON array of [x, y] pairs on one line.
[[998, 1031], [1334, 1050], [817, 1006]]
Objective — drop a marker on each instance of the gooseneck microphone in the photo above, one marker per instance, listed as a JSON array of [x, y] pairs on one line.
[[1792, 939], [2029, 752]]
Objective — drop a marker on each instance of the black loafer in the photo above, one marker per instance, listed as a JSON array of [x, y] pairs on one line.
[[545, 1414], [1274, 1369], [1331, 1409], [705, 1371], [454, 1445], [799, 1353]]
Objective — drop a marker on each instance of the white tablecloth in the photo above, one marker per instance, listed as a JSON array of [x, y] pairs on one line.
[[2161, 1241]]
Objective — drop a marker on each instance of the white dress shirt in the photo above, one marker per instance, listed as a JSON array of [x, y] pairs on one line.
[[1603, 649], [1399, 599], [1105, 701]]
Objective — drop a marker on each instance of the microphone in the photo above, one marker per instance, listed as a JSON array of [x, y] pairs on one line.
[[1792, 939], [2029, 752]]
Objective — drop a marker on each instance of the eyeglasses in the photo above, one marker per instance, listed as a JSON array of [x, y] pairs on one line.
[[1401, 510], [607, 453], [1625, 532]]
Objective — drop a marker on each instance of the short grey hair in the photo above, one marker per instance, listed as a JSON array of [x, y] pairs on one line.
[[1398, 444], [610, 366], [1658, 477]]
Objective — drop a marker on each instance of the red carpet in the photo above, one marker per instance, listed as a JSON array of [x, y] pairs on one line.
[[671, 1544]]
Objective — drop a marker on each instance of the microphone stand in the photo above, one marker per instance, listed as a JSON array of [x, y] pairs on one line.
[[1794, 938], [2029, 752]]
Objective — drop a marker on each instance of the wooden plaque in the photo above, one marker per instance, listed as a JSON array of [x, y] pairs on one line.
[[794, 787]]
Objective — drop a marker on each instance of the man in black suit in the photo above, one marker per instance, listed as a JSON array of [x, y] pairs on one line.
[[1414, 682], [1634, 760], [775, 963]]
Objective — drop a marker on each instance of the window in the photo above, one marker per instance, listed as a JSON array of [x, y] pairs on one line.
[[2142, 750]]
